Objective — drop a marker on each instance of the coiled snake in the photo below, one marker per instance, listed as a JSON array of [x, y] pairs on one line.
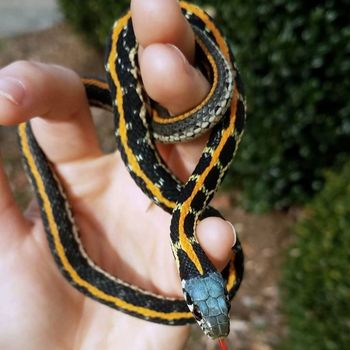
[[138, 121]]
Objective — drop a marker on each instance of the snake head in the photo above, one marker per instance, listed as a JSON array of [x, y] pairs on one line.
[[207, 299]]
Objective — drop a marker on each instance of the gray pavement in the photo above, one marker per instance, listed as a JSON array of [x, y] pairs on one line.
[[22, 16]]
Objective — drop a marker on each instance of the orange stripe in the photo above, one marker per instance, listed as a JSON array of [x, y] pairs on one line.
[[209, 24], [100, 84], [185, 209], [183, 237], [232, 275]]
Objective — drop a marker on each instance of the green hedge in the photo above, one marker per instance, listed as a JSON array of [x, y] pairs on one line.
[[294, 59], [293, 56], [316, 278]]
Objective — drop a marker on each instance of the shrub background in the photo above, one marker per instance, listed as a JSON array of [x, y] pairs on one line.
[[293, 57], [316, 281]]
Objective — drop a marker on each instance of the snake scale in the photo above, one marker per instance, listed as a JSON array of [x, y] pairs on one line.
[[138, 123]]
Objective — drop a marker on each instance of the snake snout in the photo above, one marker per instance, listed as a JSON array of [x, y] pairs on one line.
[[217, 323], [219, 328]]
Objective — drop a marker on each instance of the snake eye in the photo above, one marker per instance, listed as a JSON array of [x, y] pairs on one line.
[[228, 304], [188, 299], [196, 312]]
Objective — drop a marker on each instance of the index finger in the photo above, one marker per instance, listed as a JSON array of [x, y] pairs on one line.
[[167, 73], [65, 129]]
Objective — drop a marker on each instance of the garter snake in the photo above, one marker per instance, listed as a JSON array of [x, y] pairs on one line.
[[138, 122]]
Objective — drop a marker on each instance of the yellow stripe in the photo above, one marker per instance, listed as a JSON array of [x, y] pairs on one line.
[[162, 120], [61, 252], [209, 24], [132, 161], [186, 206]]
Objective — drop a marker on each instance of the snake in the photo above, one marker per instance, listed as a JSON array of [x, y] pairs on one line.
[[139, 124]]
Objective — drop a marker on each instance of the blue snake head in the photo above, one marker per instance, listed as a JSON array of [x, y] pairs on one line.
[[207, 299]]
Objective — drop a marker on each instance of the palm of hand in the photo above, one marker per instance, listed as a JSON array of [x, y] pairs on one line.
[[105, 207]]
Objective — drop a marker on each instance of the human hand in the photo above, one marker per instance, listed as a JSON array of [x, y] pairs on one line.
[[39, 309]]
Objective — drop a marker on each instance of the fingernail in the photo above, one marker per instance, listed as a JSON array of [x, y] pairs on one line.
[[180, 54], [233, 232], [12, 89]]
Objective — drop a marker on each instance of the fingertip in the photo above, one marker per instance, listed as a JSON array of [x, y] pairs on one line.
[[161, 21], [9, 112], [56, 94], [216, 237], [12, 94], [32, 88], [170, 80]]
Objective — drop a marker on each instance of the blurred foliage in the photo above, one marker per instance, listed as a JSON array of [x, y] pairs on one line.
[[93, 18], [294, 59], [316, 283]]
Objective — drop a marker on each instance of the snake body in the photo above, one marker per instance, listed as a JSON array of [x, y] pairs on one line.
[[137, 123]]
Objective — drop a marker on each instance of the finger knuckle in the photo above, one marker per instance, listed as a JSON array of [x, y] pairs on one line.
[[23, 67]]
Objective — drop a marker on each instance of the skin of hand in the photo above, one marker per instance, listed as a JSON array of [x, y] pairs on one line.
[[39, 309]]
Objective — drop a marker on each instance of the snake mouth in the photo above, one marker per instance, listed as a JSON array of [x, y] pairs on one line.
[[216, 327]]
